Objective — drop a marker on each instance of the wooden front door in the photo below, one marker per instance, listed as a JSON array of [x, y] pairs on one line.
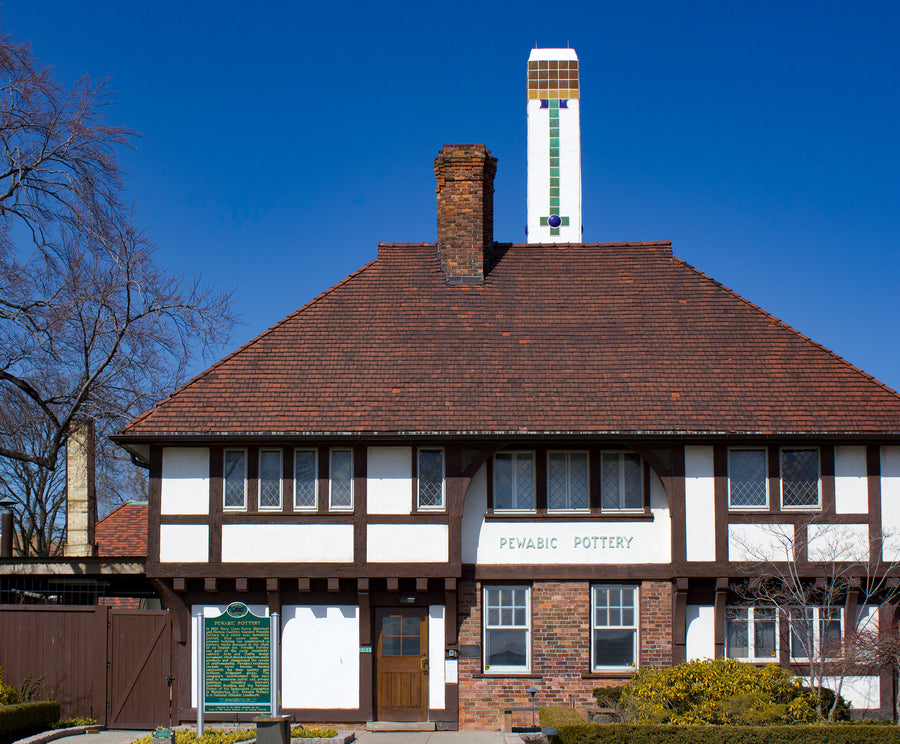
[[402, 664]]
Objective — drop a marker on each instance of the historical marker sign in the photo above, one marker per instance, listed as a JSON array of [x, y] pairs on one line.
[[237, 657]]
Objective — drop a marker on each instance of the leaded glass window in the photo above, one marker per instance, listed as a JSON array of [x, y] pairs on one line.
[[514, 481], [799, 478], [567, 481], [751, 633], [235, 479], [816, 632], [430, 479], [507, 646], [270, 479], [306, 479], [621, 481], [341, 480], [747, 479], [615, 624]]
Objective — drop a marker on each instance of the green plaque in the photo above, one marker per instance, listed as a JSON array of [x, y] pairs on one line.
[[237, 662]]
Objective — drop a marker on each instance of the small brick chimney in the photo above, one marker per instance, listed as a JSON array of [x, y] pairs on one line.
[[465, 211], [81, 498]]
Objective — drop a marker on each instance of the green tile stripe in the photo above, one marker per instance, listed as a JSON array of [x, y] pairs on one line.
[[554, 169]]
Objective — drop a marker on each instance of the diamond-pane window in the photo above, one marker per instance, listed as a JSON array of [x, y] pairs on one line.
[[567, 481], [306, 479], [341, 481], [270, 479], [621, 481], [514, 481], [799, 478], [431, 479], [747, 471], [235, 479]]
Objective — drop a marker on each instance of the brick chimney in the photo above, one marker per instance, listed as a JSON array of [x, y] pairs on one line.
[[465, 211], [81, 498]]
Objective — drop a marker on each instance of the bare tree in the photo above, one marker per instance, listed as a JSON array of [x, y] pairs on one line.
[[90, 325], [809, 593]]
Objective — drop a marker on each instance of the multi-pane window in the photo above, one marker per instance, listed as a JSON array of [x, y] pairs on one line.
[[614, 624], [751, 633], [340, 484], [621, 481], [514, 481], [306, 479], [799, 478], [270, 479], [567, 481], [507, 629], [747, 479], [430, 479], [815, 632], [235, 479]]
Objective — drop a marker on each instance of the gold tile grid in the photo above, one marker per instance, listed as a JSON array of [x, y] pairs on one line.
[[553, 79]]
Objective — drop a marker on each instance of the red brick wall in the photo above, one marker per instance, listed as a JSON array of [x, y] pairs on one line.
[[560, 651]]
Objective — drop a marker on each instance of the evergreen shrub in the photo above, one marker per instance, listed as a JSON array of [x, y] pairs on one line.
[[22, 719], [623, 733]]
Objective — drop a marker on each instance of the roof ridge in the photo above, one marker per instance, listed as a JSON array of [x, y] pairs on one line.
[[788, 326], [248, 344], [130, 502]]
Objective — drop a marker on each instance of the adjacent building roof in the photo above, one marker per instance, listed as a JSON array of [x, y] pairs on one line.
[[123, 532], [614, 338]]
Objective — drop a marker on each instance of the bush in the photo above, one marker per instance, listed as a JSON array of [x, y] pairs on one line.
[[220, 736], [73, 722], [718, 691], [302, 732], [9, 695], [608, 697], [558, 716], [23, 719], [622, 733]]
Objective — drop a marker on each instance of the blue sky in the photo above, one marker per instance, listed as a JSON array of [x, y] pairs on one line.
[[282, 141]]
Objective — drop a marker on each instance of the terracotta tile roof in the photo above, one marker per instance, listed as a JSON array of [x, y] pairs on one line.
[[123, 532], [597, 338]]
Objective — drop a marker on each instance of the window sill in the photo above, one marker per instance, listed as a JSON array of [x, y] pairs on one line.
[[543, 516], [618, 674], [517, 675]]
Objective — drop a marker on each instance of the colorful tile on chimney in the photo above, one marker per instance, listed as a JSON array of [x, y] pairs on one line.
[[554, 147]]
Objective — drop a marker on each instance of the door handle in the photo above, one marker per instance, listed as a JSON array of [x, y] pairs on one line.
[[423, 664]]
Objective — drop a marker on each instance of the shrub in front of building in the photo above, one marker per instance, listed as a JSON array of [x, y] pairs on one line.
[[22, 719], [623, 733], [9, 695], [558, 716]]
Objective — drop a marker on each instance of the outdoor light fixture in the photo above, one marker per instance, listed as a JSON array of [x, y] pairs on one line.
[[532, 691], [6, 526]]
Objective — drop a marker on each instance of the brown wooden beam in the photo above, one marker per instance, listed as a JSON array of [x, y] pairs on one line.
[[334, 585]]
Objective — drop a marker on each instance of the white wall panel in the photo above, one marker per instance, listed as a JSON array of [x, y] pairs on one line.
[[700, 621], [700, 503], [851, 490], [890, 502], [389, 480], [320, 656], [436, 657], [837, 542], [287, 543], [860, 692], [474, 509], [760, 542], [185, 481], [407, 543], [183, 543]]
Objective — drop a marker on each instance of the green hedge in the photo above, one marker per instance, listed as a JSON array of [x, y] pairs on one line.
[[22, 719], [622, 733], [560, 715]]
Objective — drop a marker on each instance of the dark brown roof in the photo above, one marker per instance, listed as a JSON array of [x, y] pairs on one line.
[[598, 338], [123, 532]]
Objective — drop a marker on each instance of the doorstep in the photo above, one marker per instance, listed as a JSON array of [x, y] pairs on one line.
[[399, 725]]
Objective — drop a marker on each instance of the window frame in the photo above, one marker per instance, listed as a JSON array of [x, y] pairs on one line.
[[315, 504], [331, 504], [752, 657], [259, 479], [485, 629], [754, 508], [515, 454], [817, 626], [635, 627], [624, 509], [243, 505], [810, 507], [443, 505], [587, 464]]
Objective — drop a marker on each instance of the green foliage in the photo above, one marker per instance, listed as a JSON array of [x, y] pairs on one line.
[[302, 732], [222, 736], [23, 719], [718, 691], [608, 697], [9, 695], [32, 690], [559, 715], [621, 733], [841, 711], [73, 722]]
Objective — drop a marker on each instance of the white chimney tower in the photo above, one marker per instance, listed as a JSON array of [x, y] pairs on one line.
[[554, 147]]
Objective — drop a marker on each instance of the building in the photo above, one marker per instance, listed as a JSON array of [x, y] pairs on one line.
[[472, 467]]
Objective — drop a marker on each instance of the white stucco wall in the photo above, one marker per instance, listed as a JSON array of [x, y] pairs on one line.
[[700, 622], [389, 480], [867, 619], [851, 491], [860, 692], [184, 543], [700, 503], [474, 510], [184, 488], [407, 543], [292, 543], [760, 542], [837, 542], [320, 656], [890, 502], [436, 657]]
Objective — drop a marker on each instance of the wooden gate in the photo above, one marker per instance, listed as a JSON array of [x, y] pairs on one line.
[[139, 680]]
